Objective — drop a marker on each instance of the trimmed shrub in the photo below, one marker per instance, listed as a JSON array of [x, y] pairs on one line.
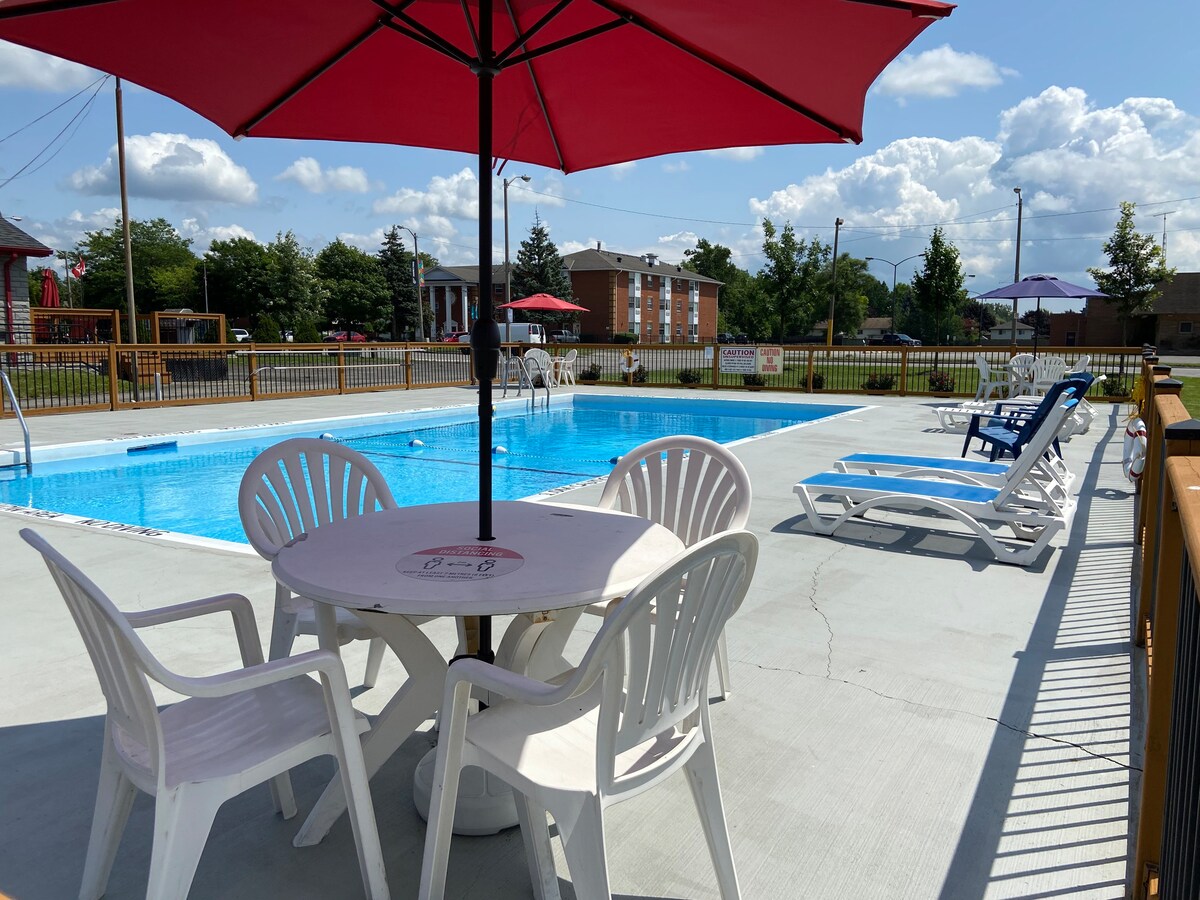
[[589, 373], [753, 379], [689, 376], [1115, 387], [876, 381], [627, 337], [941, 381], [640, 375], [266, 331], [818, 381]]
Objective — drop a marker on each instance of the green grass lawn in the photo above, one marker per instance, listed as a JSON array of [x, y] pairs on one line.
[[1191, 395]]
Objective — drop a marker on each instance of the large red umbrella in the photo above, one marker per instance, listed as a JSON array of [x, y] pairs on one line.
[[50, 295], [543, 303], [567, 84]]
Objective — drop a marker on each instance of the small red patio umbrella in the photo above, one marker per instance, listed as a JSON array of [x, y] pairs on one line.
[[543, 303], [50, 295], [561, 84]]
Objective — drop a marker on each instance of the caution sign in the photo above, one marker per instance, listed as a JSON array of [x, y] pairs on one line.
[[738, 360], [460, 562], [770, 360]]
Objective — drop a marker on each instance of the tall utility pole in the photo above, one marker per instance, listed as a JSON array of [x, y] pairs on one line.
[[1017, 270], [129, 302], [1164, 240], [417, 285], [837, 226], [507, 272]]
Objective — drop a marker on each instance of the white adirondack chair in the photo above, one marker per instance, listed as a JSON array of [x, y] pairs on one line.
[[291, 488], [989, 382], [689, 484], [634, 712], [235, 730]]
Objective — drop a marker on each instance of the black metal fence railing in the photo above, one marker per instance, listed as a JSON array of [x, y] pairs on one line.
[[1179, 869]]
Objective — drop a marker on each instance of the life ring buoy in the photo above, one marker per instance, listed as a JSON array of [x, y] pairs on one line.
[[630, 362], [1133, 460]]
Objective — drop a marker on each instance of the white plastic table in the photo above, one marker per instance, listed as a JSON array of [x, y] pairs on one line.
[[426, 561]]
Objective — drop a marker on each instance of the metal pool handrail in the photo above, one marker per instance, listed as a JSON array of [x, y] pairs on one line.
[[12, 398]]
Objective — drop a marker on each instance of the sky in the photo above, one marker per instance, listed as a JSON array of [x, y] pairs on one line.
[[1082, 104]]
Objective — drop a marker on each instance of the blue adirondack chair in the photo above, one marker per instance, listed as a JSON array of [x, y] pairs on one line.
[[1009, 433]]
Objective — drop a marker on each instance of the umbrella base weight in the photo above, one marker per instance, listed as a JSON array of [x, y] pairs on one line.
[[485, 803]]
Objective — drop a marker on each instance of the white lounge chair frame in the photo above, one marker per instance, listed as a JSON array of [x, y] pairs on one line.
[[1033, 521]]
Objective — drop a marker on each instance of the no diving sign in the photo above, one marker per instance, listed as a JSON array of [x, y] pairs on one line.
[[460, 562]]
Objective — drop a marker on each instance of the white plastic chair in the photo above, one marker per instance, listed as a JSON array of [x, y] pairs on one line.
[[1020, 371], [1081, 365], [539, 362], [987, 382], [691, 485], [564, 371], [1045, 372], [291, 488], [235, 730], [634, 712]]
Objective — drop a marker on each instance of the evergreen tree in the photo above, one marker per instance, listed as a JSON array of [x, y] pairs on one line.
[[539, 268], [396, 264], [1137, 270], [937, 293]]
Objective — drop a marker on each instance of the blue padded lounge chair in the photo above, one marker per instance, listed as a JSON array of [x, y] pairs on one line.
[[1033, 515]]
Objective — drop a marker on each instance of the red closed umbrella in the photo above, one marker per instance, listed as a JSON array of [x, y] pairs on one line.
[[50, 295], [567, 84], [543, 303]]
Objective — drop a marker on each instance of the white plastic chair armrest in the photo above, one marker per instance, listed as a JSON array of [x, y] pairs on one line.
[[238, 606], [325, 662], [501, 681]]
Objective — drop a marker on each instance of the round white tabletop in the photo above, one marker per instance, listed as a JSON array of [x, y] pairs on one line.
[[426, 560]]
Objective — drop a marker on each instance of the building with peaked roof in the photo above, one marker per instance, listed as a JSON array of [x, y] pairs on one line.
[[15, 247], [622, 292], [657, 301]]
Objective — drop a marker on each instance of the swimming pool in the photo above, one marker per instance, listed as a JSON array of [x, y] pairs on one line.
[[188, 483]]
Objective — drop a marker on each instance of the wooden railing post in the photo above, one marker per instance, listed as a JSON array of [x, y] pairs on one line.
[[252, 361], [810, 366], [1153, 478], [341, 372], [1181, 440], [114, 379]]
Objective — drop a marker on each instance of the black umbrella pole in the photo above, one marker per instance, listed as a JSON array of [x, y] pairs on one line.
[[485, 334]]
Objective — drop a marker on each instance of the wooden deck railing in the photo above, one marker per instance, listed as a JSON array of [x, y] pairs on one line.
[[1167, 624], [53, 378]]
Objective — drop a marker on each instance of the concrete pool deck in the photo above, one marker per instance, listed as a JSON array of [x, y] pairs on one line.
[[909, 719]]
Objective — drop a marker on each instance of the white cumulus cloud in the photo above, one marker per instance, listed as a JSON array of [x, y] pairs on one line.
[[170, 167], [28, 69], [307, 173], [737, 154], [202, 234], [455, 196], [941, 72]]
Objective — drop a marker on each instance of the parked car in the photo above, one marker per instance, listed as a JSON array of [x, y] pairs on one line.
[[341, 337], [895, 340], [741, 339], [454, 337], [724, 337], [240, 334], [564, 337]]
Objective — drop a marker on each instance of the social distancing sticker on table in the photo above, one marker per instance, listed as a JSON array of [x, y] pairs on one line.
[[460, 562]]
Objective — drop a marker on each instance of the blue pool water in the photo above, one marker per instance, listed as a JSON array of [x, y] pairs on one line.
[[192, 487]]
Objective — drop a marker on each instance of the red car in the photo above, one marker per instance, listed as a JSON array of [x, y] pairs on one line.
[[340, 337], [453, 336]]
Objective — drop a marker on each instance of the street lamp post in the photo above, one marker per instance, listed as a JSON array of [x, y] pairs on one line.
[[1017, 269], [837, 227], [416, 284], [895, 266], [507, 273]]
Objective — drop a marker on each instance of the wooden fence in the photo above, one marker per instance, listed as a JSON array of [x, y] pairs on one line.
[[53, 378]]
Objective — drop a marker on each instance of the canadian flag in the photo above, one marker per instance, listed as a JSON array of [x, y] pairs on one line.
[[79, 268]]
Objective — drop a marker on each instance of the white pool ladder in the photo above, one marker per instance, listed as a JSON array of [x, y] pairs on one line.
[[12, 398]]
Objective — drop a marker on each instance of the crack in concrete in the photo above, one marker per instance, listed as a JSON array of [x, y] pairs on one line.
[[812, 600], [961, 712]]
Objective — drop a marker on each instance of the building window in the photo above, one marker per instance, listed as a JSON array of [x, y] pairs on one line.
[[1185, 327]]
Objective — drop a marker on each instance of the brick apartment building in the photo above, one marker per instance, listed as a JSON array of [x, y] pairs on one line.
[[1172, 324], [622, 292]]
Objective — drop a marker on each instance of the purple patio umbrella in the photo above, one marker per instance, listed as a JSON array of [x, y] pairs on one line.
[[1038, 286]]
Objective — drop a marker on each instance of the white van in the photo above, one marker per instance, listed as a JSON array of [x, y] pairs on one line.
[[517, 333]]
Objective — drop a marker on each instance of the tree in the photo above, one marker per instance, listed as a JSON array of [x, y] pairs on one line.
[[162, 261], [982, 314], [356, 289], [938, 291], [791, 280], [1137, 270], [238, 275], [539, 269], [294, 294], [1038, 320], [396, 264], [854, 287], [740, 307]]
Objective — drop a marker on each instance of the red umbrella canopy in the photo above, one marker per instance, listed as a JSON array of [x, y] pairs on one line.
[[50, 296], [543, 303], [755, 72]]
